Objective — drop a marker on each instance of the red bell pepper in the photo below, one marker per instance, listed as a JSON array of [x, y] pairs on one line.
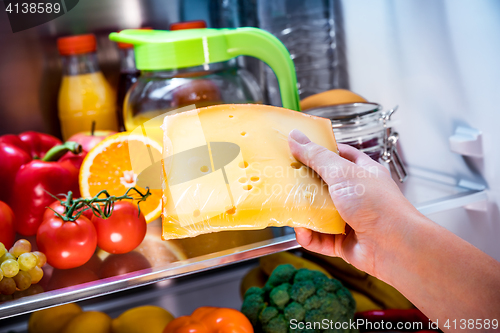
[[54, 174], [211, 320], [394, 316], [17, 150], [34, 143], [7, 232]]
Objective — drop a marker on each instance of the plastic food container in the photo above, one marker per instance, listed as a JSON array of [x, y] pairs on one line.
[[365, 126]]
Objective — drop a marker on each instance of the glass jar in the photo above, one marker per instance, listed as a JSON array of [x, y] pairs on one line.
[[365, 126], [156, 92]]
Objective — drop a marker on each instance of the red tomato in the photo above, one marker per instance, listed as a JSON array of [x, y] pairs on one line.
[[62, 278], [118, 264], [7, 231], [123, 231], [56, 205], [94, 264], [67, 244]]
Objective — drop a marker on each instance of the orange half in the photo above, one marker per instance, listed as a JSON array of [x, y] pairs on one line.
[[108, 166]]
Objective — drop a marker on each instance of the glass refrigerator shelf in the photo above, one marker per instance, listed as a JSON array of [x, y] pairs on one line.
[[428, 191]]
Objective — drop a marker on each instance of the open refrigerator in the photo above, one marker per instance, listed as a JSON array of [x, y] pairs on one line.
[[436, 60]]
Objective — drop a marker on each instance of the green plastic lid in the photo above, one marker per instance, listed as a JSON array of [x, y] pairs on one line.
[[163, 50]]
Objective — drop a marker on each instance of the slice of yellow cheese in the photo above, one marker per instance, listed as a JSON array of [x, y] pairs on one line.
[[229, 167]]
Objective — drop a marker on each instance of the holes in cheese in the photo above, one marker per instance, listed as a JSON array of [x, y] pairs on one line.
[[230, 210], [247, 184]]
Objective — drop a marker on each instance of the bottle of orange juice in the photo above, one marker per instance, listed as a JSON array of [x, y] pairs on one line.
[[85, 97]]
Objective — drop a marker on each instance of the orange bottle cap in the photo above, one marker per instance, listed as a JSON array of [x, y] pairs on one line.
[[188, 25], [76, 44]]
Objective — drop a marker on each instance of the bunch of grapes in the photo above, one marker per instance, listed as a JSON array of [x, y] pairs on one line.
[[19, 267]]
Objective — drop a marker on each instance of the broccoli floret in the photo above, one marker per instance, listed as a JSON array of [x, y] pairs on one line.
[[295, 311], [267, 314], [313, 302], [321, 292], [332, 285], [302, 290], [280, 275], [254, 304], [302, 295], [277, 325], [255, 291], [305, 274], [346, 300], [314, 316], [280, 295], [334, 307]]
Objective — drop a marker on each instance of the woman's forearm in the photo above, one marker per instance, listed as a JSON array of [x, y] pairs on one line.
[[443, 275]]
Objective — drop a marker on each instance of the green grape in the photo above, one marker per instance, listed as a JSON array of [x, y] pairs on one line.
[[41, 258], [7, 256], [36, 274], [27, 261], [3, 250], [18, 294], [20, 247], [33, 290], [7, 286], [10, 268], [23, 280], [1, 275]]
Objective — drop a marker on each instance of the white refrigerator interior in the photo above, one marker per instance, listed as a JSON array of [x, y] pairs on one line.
[[439, 61]]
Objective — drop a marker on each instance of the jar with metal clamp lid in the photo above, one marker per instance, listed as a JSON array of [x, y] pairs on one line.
[[366, 127]]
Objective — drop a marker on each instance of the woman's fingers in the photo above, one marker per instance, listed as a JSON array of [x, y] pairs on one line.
[[316, 241], [326, 163], [359, 158], [332, 168]]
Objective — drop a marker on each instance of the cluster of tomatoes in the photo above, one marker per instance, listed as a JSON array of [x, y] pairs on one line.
[[70, 244]]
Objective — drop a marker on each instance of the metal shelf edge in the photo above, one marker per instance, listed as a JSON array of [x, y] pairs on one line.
[[141, 278]]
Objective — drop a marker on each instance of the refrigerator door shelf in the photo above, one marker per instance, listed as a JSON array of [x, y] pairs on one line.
[[429, 192], [432, 192], [467, 141]]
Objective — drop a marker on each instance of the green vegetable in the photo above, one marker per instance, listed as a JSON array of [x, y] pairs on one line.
[[300, 296]]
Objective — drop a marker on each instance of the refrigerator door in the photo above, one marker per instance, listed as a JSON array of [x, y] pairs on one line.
[[438, 60]]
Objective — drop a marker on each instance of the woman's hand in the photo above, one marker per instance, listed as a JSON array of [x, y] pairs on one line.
[[440, 273], [366, 197]]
